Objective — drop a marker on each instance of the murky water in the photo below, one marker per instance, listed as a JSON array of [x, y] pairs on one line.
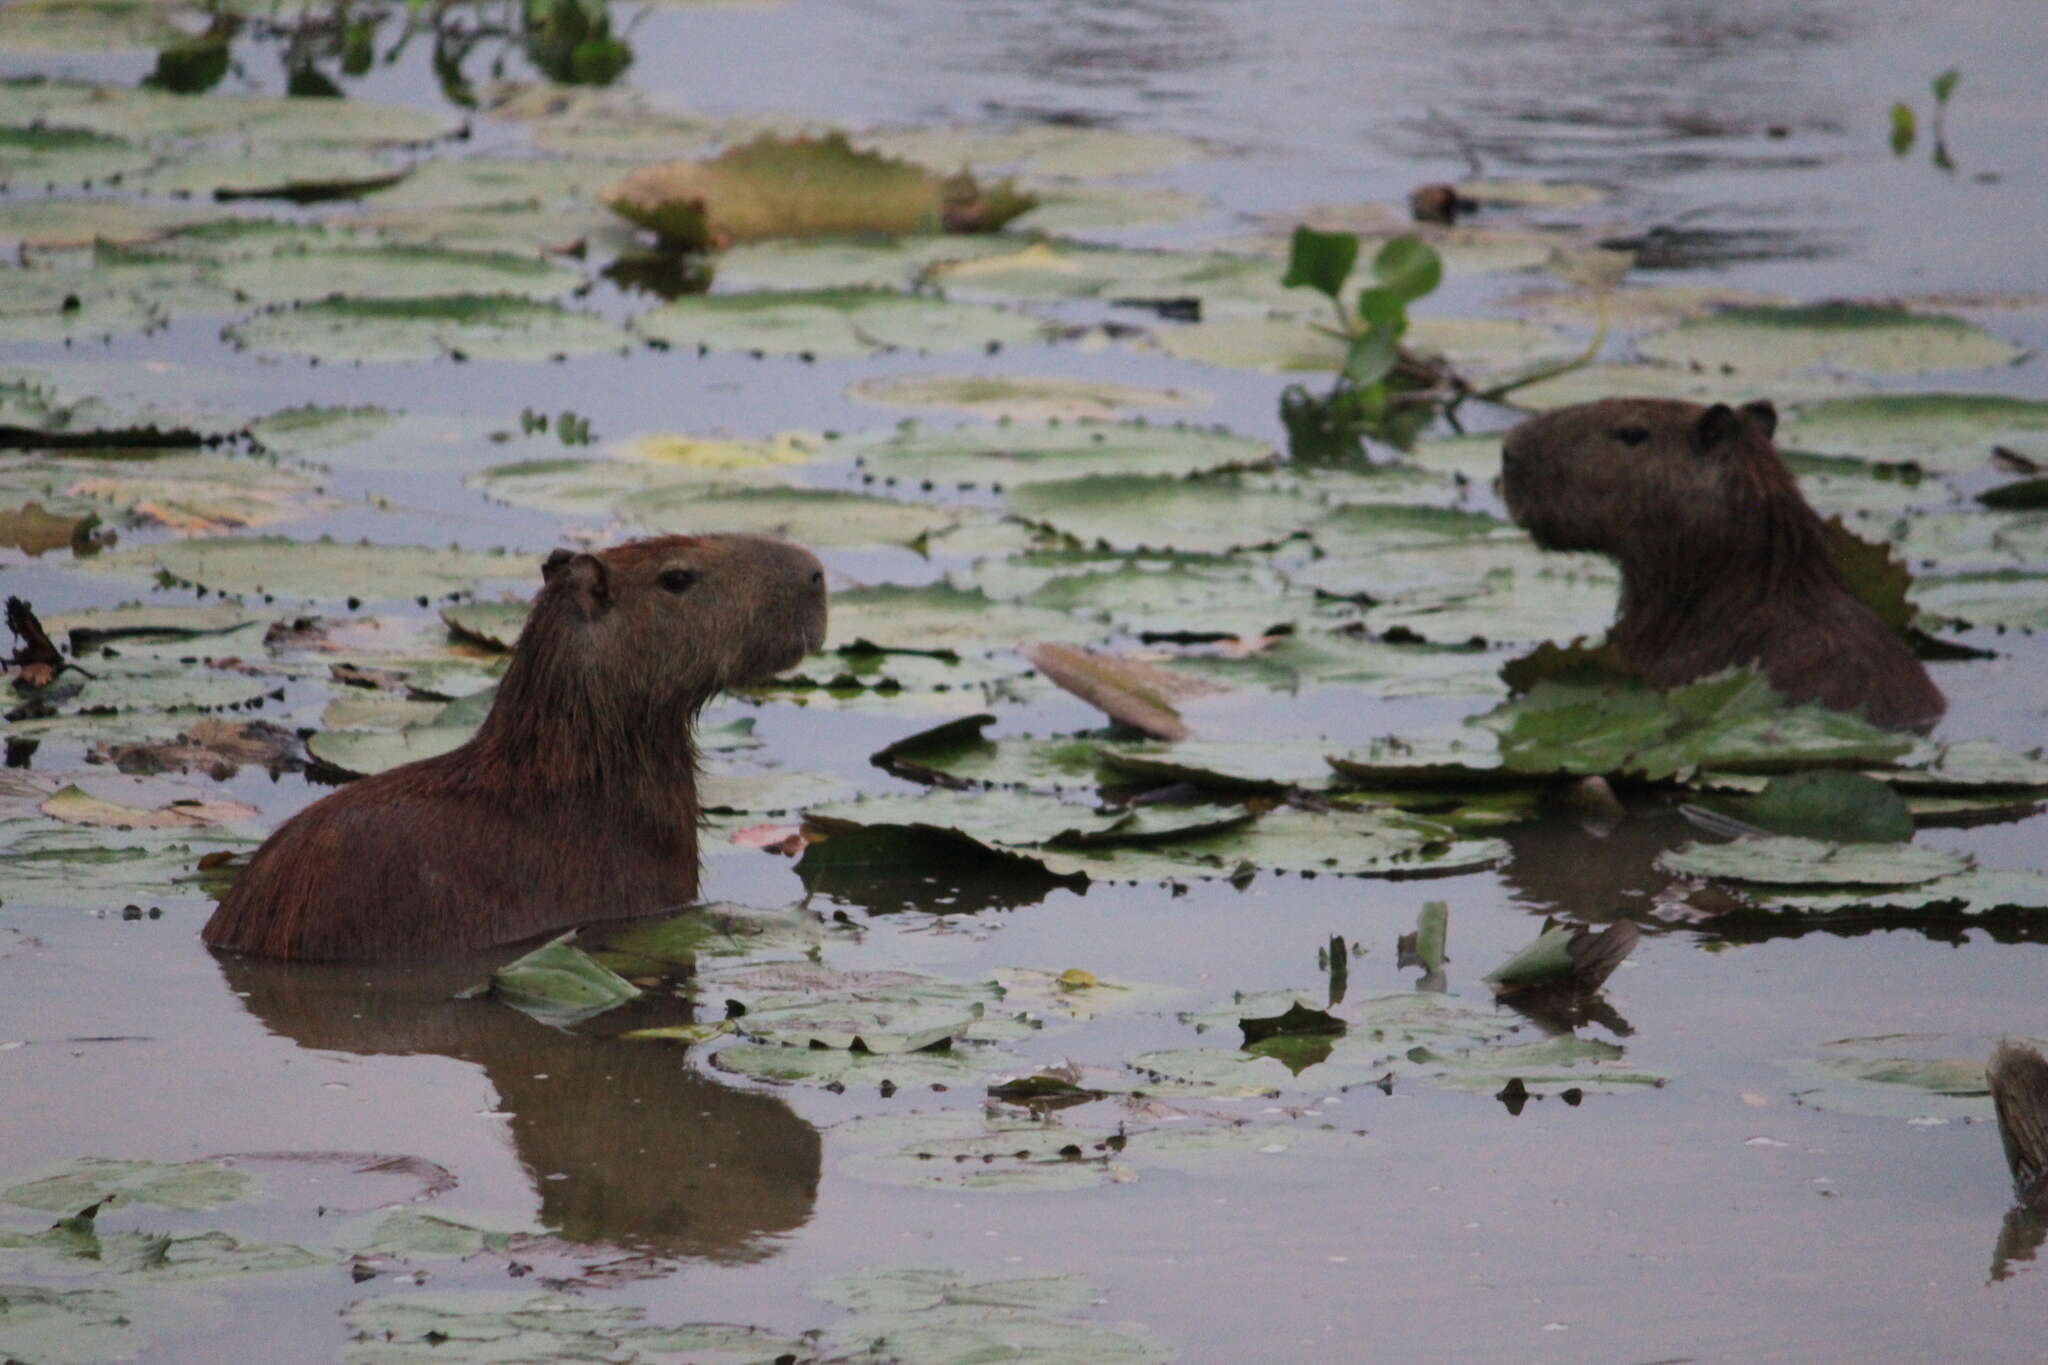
[[1714, 1217]]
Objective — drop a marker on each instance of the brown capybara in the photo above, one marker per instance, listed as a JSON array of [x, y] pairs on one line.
[[576, 800], [1723, 563]]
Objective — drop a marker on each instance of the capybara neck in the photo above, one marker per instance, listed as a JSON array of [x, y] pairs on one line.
[[1723, 563], [577, 798]]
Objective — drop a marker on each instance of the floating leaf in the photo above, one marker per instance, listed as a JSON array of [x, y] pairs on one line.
[[1788, 861], [452, 326], [1022, 398], [1901, 1075], [1134, 512], [1945, 431], [1834, 805], [1128, 691], [835, 323], [1765, 341], [1016, 454], [1573, 956], [558, 983], [804, 187], [393, 272], [310, 570]]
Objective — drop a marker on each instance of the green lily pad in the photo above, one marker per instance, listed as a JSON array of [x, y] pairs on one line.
[[1975, 892], [835, 323], [1945, 431], [1068, 210], [1475, 346], [676, 944], [1137, 512], [1764, 341], [1827, 804], [186, 1185], [1901, 1075], [1041, 149], [943, 620], [955, 752], [318, 570], [558, 983], [1973, 766], [780, 1065], [1022, 398], [1998, 597], [392, 272], [69, 157], [1223, 765], [1053, 271], [1179, 597], [56, 223], [67, 1326], [810, 516], [75, 867], [1364, 843], [853, 262], [1789, 861], [302, 175], [363, 753], [453, 326], [1292, 663], [1015, 455], [302, 121]]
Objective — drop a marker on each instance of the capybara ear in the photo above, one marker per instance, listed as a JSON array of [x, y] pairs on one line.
[[1716, 425], [586, 579], [1764, 414], [552, 565]]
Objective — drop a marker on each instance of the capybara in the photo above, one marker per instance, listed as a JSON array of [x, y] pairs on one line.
[[1723, 563], [576, 800]]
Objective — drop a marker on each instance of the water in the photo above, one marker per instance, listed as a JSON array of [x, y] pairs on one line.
[[1713, 1218]]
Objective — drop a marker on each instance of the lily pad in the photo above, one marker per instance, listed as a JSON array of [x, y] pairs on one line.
[[363, 753], [955, 753], [393, 272], [300, 175], [855, 1070], [1140, 512], [452, 326], [1013, 455], [804, 187], [811, 516], [1764, 341], [1904, 1076], [1790, 861], [835, 323], [186, 1185], [1827, 805], [1049, 149], [1945, 431], [1362, 843], [1997, 597], [319, 570], [1021, 398], [558, 983]]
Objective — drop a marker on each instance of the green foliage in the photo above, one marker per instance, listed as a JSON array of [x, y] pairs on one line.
[[1905, 128], [1373, 396]]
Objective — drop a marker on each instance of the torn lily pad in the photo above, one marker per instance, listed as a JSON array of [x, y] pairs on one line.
[[804, 187], [1342, 843], [835, 323], [955, 753]]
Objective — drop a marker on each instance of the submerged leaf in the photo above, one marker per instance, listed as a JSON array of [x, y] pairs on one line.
[[558, 983]]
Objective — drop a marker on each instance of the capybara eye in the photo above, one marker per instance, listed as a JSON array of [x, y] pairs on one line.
[[1631, 436], [677, 580]]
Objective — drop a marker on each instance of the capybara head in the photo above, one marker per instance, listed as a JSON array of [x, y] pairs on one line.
[[669, 621], [1645, 477]]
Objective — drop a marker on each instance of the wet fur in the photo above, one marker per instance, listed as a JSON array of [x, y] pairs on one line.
[[1723, 563], [575, 801]]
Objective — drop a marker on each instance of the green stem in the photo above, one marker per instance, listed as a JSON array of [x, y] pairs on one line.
[[1579, 361]]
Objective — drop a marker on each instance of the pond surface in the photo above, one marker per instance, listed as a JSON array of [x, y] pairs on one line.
[[1714, 1174]]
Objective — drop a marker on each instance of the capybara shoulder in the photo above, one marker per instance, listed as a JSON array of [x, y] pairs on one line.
[[1723, 563], [577, 798]]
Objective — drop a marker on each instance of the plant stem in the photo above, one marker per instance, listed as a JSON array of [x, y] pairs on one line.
[[1579, 361]]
